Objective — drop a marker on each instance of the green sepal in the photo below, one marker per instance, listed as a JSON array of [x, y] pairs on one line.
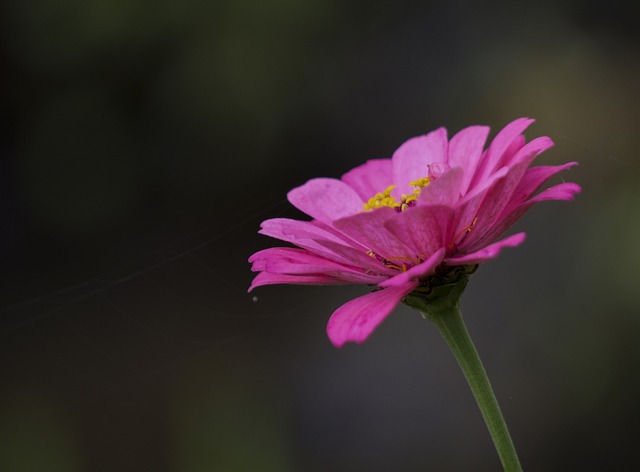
[[441, 293]]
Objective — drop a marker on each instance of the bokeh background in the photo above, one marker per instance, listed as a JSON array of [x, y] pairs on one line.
[[141, 144]]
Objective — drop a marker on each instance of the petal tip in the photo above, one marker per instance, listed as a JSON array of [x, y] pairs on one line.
[[358, 318]]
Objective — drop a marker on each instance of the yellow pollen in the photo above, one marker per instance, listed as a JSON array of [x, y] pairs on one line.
[[421, 182], [382, 199]]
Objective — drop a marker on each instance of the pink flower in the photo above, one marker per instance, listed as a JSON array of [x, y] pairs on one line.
[[393, 223]]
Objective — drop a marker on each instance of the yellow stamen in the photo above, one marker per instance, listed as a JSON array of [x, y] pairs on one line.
[[381, 199], [421, 182]]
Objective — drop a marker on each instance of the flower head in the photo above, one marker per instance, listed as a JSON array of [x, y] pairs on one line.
[[398, 223]]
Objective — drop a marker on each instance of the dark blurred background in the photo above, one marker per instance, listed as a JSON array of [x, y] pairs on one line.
[[141, 144]]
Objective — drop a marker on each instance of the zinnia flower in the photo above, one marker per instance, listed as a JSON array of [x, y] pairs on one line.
[[435, 205]]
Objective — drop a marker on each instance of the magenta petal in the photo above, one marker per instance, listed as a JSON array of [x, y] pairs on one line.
[[410, 160], [500, 194], [322, 242], [488, 252], [370, 178], [445, 190], [505, 137], [424, 269], [530, 151], [500, 144], [368, 229], [295, 231], [471, 204], [423, 229], [533, 179], [480, 190], [325, 199], [355, 320], [265, 278], [358, 258], [565, 191], [513, 149], [305, 234], [465, 149], [293, 261], [338, 235]]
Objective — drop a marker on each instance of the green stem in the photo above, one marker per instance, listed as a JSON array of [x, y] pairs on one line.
[[454, 331]]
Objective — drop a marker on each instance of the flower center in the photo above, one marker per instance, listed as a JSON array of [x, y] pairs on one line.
[[382, 199]]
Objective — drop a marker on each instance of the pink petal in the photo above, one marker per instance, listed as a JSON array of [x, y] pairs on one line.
[[292, 261], [410, 160], [444, 190], [499, 196], [355, 320], [325, 199], [483, 187], [508, 156], [305, 234], [368, 229], [424, 269], [338, 236], [534, 178], [499, 146], [293, 231], [470, 205], [358, 258], [530, 151], [322, 242], [265, 278], [423, 229], [565, 191], [505, 138], [465, 149], [488, 252], [370, 178]]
